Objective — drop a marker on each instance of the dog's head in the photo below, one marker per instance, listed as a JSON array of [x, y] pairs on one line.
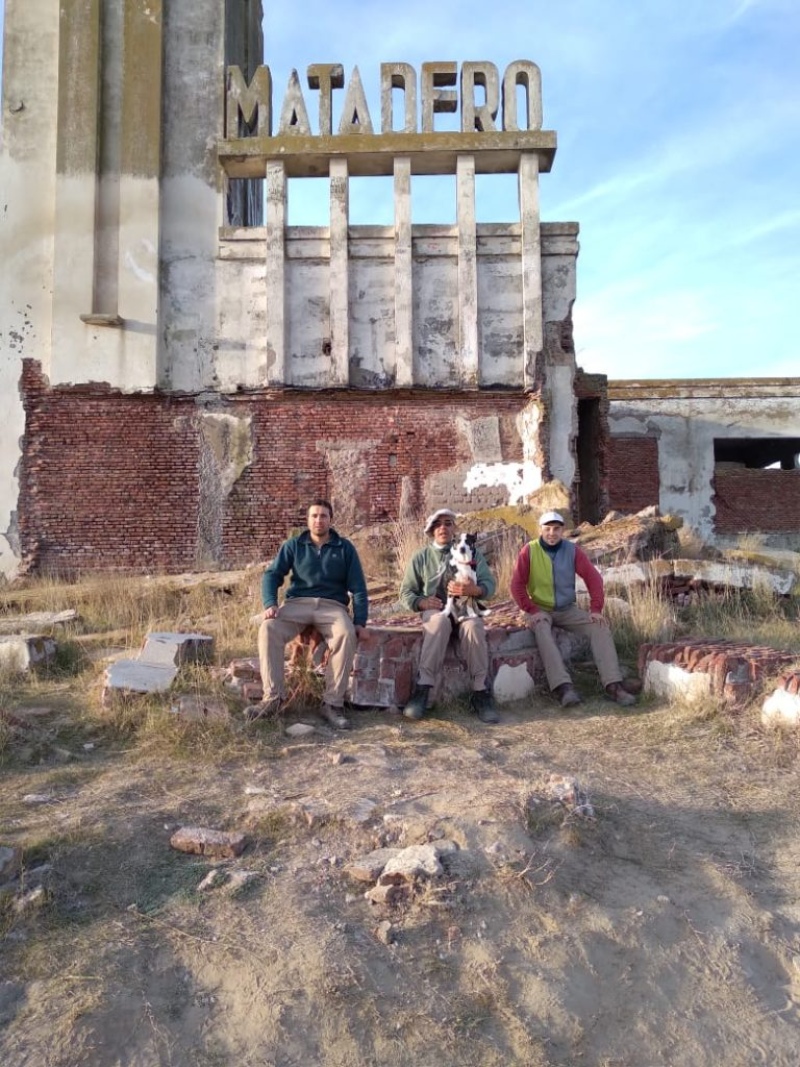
[[463, 550]]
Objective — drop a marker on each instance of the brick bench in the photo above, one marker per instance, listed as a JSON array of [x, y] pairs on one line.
[[729, 671], [385, 664]]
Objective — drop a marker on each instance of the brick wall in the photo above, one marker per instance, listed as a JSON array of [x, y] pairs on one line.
[[113, 482], [633, 473], [751, 499]]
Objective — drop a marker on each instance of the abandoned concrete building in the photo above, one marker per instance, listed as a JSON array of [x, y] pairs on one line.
[[181, 370]]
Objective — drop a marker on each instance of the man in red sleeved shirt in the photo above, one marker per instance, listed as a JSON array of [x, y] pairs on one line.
[[543, 585]]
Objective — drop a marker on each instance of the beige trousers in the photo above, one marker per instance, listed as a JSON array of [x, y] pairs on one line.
[[580, 622], [470, 638], [335, 625]]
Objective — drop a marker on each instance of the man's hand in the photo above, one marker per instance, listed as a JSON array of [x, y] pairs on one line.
[[430, 603], [455, 588], [360, 632], [270, 613], [538, 619], [597, 616]]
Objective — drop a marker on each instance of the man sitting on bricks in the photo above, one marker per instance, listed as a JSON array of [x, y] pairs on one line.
[[325, 574], [543, 585], [425, 587]]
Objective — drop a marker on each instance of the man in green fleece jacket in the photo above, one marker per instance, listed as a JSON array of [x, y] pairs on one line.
[[425, 588], [325, 573]]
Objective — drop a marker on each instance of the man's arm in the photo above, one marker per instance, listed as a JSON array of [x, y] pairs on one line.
[[411, 587], [275, 574], [484, 577], [519, 582], [585, 569], [357, 587]]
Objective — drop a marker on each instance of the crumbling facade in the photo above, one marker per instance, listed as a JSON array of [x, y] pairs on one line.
[[182, 371], [722, 454]]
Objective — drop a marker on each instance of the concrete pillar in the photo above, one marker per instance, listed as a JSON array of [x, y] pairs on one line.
[[277, 369], [77, 164], [533, 339], [339, 274], [140, 170], [467, 272], [403, 302]]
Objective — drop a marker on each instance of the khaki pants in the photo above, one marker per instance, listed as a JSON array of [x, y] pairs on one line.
[[580, 622], [335, 625], [470, 637]]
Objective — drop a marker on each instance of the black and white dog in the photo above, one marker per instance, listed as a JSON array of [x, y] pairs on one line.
[[461, 568]]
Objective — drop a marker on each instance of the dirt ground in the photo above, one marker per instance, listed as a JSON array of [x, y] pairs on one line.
[[666, 931]]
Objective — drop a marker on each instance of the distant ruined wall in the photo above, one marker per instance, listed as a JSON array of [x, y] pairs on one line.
[[633, 476], [172, 483], [747, 499]]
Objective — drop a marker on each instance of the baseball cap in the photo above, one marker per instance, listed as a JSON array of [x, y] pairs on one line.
[[431, 519], [551, 516]]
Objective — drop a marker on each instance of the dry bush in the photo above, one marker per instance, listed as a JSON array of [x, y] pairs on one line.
[[647, 616], [408, 537]]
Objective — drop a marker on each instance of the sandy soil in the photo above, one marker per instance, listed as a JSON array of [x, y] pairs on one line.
[[664, 932]]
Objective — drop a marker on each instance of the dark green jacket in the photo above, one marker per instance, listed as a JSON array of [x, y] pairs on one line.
[[332, 571]]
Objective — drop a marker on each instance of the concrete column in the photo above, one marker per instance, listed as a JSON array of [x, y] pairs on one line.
[[467, 272], [277, 369], [77, 164], [339, 275], [140, 178], [531, 266], [403, 304]]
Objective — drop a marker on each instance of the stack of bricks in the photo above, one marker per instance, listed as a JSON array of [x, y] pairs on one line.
[[734, 668]]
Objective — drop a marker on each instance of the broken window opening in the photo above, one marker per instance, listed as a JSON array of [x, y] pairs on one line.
[[759, 453]]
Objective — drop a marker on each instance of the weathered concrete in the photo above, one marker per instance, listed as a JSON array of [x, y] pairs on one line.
[[158, 663], [686, 417], [20, 652]]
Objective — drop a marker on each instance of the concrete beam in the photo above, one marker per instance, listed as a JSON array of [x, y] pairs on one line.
[[467, 272], [403, 293], [277, 367], [340, 274]]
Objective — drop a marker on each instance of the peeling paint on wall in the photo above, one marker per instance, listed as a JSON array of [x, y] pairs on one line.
[[519, 479], [226, 451]]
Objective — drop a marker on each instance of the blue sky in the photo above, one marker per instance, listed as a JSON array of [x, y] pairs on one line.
[[678, 126]]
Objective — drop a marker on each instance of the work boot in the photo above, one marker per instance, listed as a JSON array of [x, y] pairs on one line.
[[483, 705], [416, 706], [617, 692], [567, 695], [265, 709], [334, 717]]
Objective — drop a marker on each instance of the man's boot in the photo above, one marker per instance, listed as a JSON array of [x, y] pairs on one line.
[[567, 695], [416, 706], [483, 706]]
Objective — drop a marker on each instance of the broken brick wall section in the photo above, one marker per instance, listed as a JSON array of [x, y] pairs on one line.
[[633, 473], [747, 498], [168, 483]]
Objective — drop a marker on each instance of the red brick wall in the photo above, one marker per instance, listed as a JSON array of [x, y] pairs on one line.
[[751, 499], [113, 482], [633, 473]]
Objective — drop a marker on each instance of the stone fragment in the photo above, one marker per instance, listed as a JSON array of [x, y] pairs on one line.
[[385, 933], [369, 868], [300, 729], [35, 620], [315, 812], [35, 898], [204, 842], [388, 894], [781, 707], [38, 798], [416, 861], [239, 879], [23, 651]]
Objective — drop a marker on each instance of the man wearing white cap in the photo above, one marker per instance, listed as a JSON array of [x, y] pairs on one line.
[[543, 585], [425, 588]]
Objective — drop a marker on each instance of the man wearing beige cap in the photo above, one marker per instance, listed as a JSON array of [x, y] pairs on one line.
[[543, 585], [425, 588]]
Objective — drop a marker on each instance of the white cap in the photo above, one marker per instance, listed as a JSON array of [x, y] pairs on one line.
[[431, 519], [551, 516]]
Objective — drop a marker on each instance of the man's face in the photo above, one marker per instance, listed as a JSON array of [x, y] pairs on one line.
[[444, 530], [319, 520], [551, 532]]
